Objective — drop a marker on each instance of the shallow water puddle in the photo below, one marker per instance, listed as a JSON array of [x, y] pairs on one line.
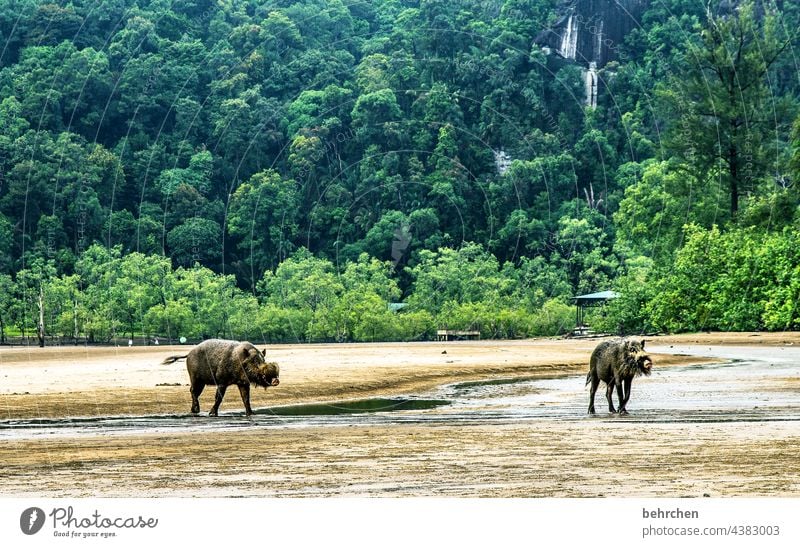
[[354, 407], [263, 416]]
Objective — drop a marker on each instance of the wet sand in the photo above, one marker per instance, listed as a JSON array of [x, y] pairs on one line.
[[605, 456], [100, 381], [550, 458]]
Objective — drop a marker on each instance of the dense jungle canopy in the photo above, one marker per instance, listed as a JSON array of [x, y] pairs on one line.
[[282, 170]]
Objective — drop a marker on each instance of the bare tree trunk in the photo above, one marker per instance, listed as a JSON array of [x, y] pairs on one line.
[[75, 321], [40, 327], [734, 174]]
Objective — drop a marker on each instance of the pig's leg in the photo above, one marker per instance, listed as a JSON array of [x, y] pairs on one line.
[[244, 391], [218, 399], [609, 393], [621, 395], [627, 384], [592, 390], [196, 390]]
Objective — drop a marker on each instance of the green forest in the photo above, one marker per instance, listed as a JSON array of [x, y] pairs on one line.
[[284, 170]]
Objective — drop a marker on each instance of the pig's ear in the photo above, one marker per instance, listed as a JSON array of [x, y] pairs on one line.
[[627, 345], [242, 353], [642, 343], [264, 352]]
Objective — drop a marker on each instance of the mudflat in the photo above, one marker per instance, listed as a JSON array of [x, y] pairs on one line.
[[456, 454], [103, 381]]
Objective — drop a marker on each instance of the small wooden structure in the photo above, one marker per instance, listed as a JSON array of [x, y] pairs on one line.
[[587, 301], [446, 335]]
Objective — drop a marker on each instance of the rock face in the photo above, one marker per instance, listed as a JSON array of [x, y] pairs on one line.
[[591, 31], [726, 7]]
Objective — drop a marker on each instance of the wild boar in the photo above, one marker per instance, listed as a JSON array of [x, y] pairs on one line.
[[223, 363], [616, 362]]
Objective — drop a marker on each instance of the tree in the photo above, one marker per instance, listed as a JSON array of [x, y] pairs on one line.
[[541, 281], [197, 175], [664, 197], [208, 297], [173, 319], [313, 110], [32, 282], [468, 274], [718, 103], [364, 304], [68, 312], [584, 250], [134, 285], [301, 282], [373, 116], [263, 218], [196, 240], [6, 301], [6, 237], [449, 186]]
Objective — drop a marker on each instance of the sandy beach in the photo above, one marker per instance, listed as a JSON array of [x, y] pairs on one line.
[[533, 458]]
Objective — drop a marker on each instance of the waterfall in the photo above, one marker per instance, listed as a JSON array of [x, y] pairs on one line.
[[590, 81], [569, 40], [502, 161], [598, 50]]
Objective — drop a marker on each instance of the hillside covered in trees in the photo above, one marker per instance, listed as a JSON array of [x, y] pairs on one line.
[[282, 170]]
